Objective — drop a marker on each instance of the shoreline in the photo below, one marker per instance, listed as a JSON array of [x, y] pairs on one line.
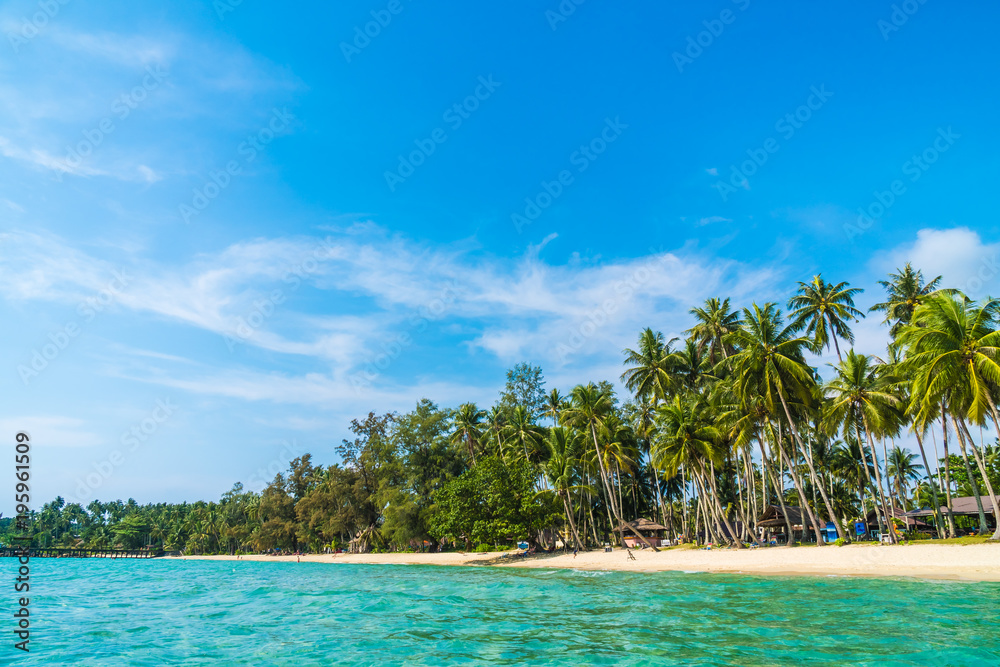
[[974, 562]]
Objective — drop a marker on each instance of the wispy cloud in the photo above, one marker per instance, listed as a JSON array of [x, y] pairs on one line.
[[376, 285]]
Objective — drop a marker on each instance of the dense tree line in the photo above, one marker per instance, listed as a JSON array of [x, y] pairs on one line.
[[718, 426]]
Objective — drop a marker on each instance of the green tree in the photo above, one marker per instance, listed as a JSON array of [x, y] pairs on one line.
[[525, 387], [769, 363], [492, 503], [715, 321], [825, 311], [905, 291]]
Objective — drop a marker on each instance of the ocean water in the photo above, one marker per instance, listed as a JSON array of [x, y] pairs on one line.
[[166, 612]]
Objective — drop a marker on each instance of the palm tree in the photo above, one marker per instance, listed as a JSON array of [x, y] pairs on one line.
[[554, 405], [715, 322], [589, 410], [862, 400], [905, 291], [496, 422], [953, 351], [522, 430], [692, 368], [901, 468], [468, 427], [686, 437], [770, 363], [825, 309], [564, 447], [649, 375]]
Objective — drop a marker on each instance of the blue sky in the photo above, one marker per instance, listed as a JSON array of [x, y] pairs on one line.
[[236, 228]]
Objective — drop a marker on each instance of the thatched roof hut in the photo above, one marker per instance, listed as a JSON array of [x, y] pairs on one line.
[[642, 525], [773, 518]]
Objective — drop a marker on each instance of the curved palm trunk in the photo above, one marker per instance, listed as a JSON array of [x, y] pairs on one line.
[[722, 513], [472, 450], [968, 472], [986, 480], [769, 472], [684, 505], [938, 521], [611, 497], [807, 512], [711, 515], [947, 473], [812, 473], [836, 345], [878, 486], [569, 516]]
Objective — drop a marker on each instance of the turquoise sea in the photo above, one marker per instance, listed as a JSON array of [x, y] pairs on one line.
[[163, 612]]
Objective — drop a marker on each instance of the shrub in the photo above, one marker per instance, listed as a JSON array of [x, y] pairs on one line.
[[483, 548], [840, 541]]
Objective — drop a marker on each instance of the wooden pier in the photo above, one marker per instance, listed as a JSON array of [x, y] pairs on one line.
[[70, 552]]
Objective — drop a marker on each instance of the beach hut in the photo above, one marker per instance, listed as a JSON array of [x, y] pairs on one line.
[[772, 525], [654, 532], [909, 521], [960, 506]]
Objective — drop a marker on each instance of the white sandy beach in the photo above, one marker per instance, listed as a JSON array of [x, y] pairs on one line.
[[979, 562]]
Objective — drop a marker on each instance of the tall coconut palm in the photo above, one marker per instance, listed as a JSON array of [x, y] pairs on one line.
[[905, 291], [496, 423], [692, 368], [554, 403], [716, 320], [649, 374], [953, 351], [769, 361], [564, 447], [468, 424], [825, 310], [687, 437], [522, 432], [589, 410], [902, 468], [862, 400]]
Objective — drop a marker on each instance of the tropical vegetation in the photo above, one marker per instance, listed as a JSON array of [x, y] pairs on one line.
[[716, 427]]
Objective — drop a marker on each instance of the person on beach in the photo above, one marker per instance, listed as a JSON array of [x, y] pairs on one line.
[[574, 551]]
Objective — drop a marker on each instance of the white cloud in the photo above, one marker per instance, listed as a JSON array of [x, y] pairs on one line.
[[375, 287], [958, 254]]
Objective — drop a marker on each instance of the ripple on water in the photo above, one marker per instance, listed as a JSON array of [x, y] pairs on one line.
[[183, 612]]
